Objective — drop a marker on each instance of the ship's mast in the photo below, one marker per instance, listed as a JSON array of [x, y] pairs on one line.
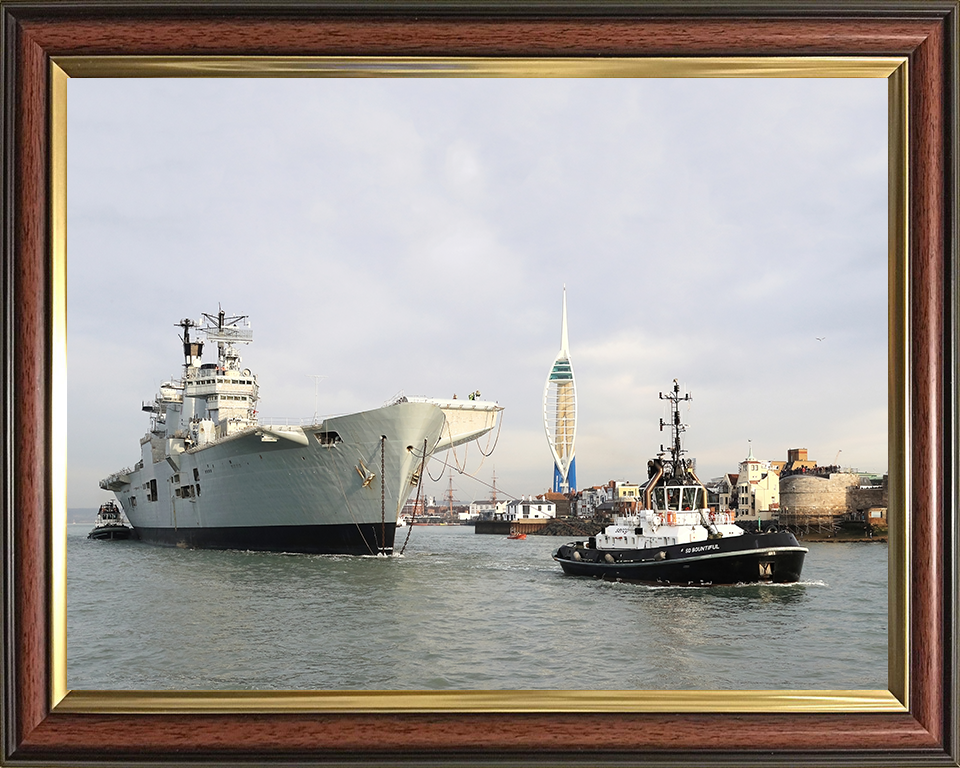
[[677, 428], [192, 349], [450, 496]]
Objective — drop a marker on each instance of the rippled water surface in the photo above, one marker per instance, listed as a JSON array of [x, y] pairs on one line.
[[459, 611]]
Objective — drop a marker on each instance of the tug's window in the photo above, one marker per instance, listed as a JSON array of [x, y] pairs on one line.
[[690, 498], [673, 498]]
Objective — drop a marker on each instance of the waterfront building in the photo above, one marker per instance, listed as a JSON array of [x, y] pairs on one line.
[[627, 497], [413, 508], [588, 500], [727, 492], [798, 460], [563, 502], [758, 491], [530, 509], [868, 503], [617, 497], [483, 509], [560, 412]]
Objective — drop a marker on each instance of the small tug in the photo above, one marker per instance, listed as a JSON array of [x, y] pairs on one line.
[[110, 524], [676, 539]]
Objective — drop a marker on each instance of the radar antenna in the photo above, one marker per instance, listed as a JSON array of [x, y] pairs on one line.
[[227, 331], [221, 328]]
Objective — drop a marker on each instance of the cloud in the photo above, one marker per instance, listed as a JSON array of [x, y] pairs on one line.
[[407, 234]]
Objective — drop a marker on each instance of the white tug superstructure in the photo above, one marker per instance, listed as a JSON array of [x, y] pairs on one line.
[[665, 529], [210, 475]]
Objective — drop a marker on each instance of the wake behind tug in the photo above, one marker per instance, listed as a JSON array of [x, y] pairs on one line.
[[676, 539]]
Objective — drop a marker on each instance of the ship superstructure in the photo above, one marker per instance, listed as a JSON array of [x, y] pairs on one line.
[[210, 475]]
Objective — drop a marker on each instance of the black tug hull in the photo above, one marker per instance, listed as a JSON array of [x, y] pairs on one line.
[[108, 532], [752, 558]]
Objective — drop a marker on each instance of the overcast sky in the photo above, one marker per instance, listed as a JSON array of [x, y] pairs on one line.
[[414, 235]]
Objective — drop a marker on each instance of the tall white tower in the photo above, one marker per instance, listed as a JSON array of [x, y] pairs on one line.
[[560, 412]]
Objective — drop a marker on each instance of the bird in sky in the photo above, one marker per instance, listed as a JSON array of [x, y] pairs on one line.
[[821, 338]]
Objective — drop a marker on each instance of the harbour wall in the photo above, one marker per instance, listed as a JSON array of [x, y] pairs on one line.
[[807, 499], [506, 527]]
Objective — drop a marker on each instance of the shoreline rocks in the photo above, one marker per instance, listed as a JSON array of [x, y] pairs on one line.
[[569, 527]]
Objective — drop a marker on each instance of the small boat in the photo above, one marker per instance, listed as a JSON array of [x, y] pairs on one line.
[[110, 524], [516, 535], [676, 539]]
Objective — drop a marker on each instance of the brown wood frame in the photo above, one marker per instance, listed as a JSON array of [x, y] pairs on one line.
[[925, 32]]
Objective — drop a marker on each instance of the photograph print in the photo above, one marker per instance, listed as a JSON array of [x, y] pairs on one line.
[[369, 376]]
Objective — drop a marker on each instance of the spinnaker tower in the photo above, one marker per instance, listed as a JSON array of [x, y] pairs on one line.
[[560, 413]]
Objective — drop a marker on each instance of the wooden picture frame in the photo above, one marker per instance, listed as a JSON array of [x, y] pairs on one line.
[[916, 722]]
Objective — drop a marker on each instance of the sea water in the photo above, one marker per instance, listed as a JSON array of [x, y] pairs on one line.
[[459, 611]]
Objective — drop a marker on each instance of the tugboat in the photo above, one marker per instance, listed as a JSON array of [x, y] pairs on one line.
[[110, 524], [676, 539]]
